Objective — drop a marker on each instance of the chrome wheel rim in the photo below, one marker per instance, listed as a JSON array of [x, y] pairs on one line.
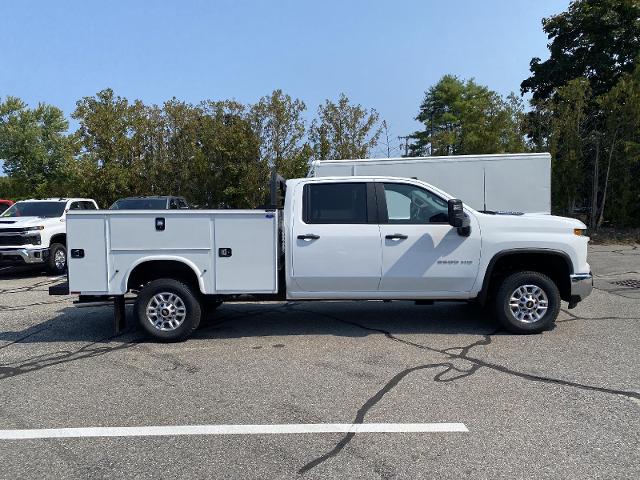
[[528, 303], [60, 259], [166, 311]]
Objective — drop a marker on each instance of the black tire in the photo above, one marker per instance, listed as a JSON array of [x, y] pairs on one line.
[[189, 300], [56, 268], [529, 323]]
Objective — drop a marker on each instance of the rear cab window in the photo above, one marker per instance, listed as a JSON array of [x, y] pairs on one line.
[[338, 203]]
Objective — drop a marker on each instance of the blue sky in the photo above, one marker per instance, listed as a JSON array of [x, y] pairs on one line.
[[382, 54]]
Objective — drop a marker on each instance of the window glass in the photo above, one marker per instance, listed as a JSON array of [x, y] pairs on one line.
[[89, 206], [182, 203], [140, 204], [409, 204], [35, 209], [76, 206], [173, 205], [336, 203]]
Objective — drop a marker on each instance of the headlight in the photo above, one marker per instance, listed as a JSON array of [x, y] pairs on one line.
[[31, 229], [581, 232]]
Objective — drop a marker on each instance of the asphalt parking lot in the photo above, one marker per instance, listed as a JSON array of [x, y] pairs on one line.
[[564, 404]]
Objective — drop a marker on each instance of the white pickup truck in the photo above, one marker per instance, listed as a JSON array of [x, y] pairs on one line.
[[337, 238], [33, 232]]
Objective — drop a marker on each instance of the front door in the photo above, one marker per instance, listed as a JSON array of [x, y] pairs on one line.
[[336, 245], [421, 252]]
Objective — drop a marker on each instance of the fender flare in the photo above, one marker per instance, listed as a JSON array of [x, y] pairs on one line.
[[482, 295]]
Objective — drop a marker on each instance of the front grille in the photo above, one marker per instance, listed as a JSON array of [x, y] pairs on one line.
[[12, 230], [10, 240]]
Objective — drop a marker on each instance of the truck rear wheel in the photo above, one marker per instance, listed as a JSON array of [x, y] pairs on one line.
[[57, 262], [168, 310], [527, 302]]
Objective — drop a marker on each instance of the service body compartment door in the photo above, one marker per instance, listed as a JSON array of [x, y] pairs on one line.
[[87, 253], [246, 252]]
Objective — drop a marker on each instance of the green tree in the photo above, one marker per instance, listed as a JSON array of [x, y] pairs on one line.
[[621, 153], [231, 171], [595, 39], [35, 147], [207, 152], [9, 189], [110, 158], [462, 117], [594, 47], [344, 131], [569, 132], [277, 120]]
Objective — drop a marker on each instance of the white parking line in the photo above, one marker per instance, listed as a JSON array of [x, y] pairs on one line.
[[232, 430]]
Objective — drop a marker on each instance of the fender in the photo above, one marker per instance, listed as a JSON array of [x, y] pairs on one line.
[[482, 295], [174, 258]]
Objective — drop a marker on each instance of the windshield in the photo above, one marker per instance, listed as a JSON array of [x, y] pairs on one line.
[[35, 209], [140, 204]]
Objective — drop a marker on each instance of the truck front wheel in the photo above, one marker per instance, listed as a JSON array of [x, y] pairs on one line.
[[527, 302], [57, 262], [168, 310]]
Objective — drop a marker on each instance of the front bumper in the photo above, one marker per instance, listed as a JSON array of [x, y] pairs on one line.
[[581, 286], [23, 256]]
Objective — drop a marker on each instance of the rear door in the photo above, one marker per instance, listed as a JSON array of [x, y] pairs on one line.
[[421, 252], [335, 239]]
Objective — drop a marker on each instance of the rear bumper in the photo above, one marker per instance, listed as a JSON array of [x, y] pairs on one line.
[[581, 286], [23, 256]]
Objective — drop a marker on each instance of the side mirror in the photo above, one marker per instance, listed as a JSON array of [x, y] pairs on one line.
[[457, 217]]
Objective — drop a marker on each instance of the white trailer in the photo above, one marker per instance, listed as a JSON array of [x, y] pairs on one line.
[[504, 182]]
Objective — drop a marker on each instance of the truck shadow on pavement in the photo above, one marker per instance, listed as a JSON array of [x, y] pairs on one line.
[[336, 318], [245, 320]]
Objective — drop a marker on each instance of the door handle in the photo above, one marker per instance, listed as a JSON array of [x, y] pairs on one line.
[[396, 236], [308, 236]]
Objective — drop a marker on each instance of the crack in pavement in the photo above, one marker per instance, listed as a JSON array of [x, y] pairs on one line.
[[45, 360], [371, 402], [29, 288], [605, 275], [463, 353], [24, 337], [612, 292], [4, 308], [575, 317]]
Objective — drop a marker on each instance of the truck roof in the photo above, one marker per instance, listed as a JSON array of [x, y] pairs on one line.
[[447, 158], [57, 199], [150, 196]]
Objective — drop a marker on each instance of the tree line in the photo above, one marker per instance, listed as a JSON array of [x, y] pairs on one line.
[[583, 108], [216, 153]]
